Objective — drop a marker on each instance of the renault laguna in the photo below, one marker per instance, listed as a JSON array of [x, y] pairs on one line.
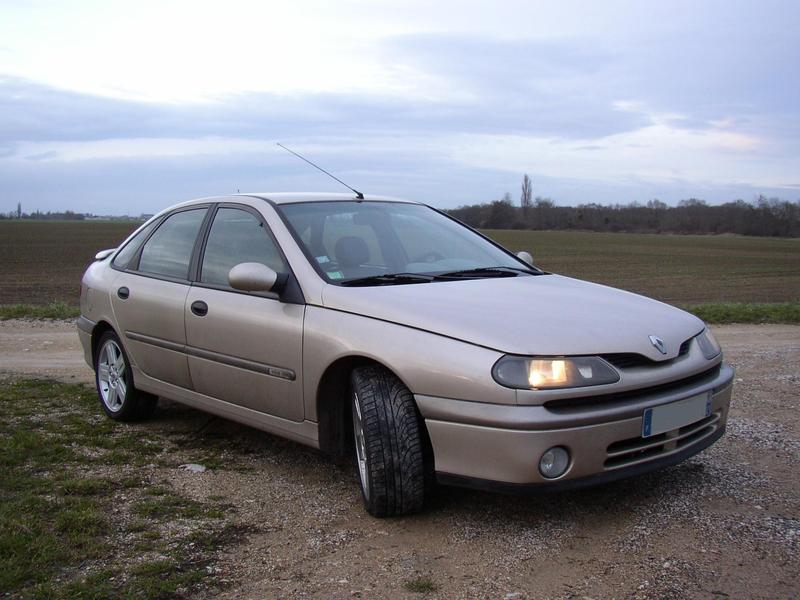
[[387, 329]]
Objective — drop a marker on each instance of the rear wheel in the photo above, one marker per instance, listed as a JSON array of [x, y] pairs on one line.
[[388, 442], [114, 379]]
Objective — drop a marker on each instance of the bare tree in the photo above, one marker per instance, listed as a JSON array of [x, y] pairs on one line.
[[526, 198], [19, 210]]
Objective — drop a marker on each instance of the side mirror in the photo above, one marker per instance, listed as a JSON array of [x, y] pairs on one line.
[[525, 257], [104, 254], [252, 277]]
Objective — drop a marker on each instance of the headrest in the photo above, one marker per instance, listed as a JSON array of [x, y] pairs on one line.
[[351, 251]]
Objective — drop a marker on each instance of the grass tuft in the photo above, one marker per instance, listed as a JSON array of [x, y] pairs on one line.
[[421, 585]]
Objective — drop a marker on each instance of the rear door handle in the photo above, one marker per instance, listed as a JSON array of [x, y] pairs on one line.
[[123, 293], [199, 308]]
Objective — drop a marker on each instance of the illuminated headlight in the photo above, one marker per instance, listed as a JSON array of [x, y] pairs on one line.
[[552, 373], [708, 344]]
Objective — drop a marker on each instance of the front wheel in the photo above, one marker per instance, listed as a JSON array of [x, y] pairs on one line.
[[114, 378], [388, 443]]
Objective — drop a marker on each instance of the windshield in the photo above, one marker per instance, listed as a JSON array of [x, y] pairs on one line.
[[350, 241]]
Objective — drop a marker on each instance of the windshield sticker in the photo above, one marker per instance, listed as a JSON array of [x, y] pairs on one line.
[[335, 274], [322, 259]]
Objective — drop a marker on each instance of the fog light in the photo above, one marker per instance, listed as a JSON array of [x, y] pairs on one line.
[[554, 462]]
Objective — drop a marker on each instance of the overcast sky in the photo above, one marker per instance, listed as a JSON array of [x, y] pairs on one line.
[[127, 107]]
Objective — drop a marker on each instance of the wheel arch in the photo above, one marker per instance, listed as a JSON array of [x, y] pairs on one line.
[[333, 403], [97, 332]]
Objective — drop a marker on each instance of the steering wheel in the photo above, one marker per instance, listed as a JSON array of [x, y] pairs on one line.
[[431, 256]]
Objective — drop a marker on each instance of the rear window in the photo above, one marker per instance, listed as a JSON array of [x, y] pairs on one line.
[[124, 256], [169, 250]]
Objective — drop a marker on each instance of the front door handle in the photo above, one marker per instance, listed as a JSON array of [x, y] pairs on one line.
[[123, 293], [200, 308]]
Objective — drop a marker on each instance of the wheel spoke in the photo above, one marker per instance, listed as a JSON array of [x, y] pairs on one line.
[[102, 372], [120, 366], [111, 401], [121, 390]]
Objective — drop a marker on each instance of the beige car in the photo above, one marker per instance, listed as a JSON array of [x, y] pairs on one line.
[[388, 329]]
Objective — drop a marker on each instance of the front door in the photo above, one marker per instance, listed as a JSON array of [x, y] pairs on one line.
[[244, 348]]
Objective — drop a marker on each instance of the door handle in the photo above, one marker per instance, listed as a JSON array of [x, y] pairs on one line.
[[199, 308], [123, 293]]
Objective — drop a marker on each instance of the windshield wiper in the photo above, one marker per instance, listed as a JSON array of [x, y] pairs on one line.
[[488, 272], [389, 279]]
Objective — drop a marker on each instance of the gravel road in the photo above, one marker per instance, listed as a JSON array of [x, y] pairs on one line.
[[725, 523]]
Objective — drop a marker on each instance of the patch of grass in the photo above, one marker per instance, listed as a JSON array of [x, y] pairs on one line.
[[54, 310], [162, 579], [209, 539], [96, 586], [154, 567], [138, 526], [164, 504], [740, 312], [421, 585], [86, 486], [130, 482], [57, 526]]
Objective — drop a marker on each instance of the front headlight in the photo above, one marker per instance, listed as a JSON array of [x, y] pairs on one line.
[[708, 344], [537, 373]]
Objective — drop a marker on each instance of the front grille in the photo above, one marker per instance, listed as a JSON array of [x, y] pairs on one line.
[[567, 405], [628, 360], [626, 453]]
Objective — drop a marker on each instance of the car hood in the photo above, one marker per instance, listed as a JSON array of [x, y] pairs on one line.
[[544, 315]]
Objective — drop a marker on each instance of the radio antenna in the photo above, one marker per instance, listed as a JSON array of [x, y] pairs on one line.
[[359, 195]]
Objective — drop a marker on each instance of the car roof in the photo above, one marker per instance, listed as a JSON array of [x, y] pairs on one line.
[[293, 197], [288, 198]]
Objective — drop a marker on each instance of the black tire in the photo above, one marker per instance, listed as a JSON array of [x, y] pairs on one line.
[[392, 472], [113, 378]]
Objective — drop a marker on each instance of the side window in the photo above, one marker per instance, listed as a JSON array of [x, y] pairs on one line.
[[169, 249], [124, 256], [237, 236]]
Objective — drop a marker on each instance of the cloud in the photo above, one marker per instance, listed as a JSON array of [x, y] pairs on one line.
[[34, 112]]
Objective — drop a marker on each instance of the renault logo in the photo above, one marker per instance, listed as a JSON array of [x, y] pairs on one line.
[[659, 344]]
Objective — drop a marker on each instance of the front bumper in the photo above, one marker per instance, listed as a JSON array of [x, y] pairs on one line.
[[499, 447]]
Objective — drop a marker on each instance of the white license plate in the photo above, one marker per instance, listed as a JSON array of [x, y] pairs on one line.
[[676, 414]]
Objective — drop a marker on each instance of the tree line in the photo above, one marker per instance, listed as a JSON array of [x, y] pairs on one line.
[[763, 217], [67, 215]]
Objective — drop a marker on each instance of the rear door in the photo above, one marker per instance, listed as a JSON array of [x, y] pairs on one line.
[[149, 297], [244, 348]]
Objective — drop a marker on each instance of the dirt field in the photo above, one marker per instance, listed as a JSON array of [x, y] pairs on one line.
[[42, 262], [724, 524], [668, 267]]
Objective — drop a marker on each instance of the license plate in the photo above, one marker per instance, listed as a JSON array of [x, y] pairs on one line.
[[660, 419]]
